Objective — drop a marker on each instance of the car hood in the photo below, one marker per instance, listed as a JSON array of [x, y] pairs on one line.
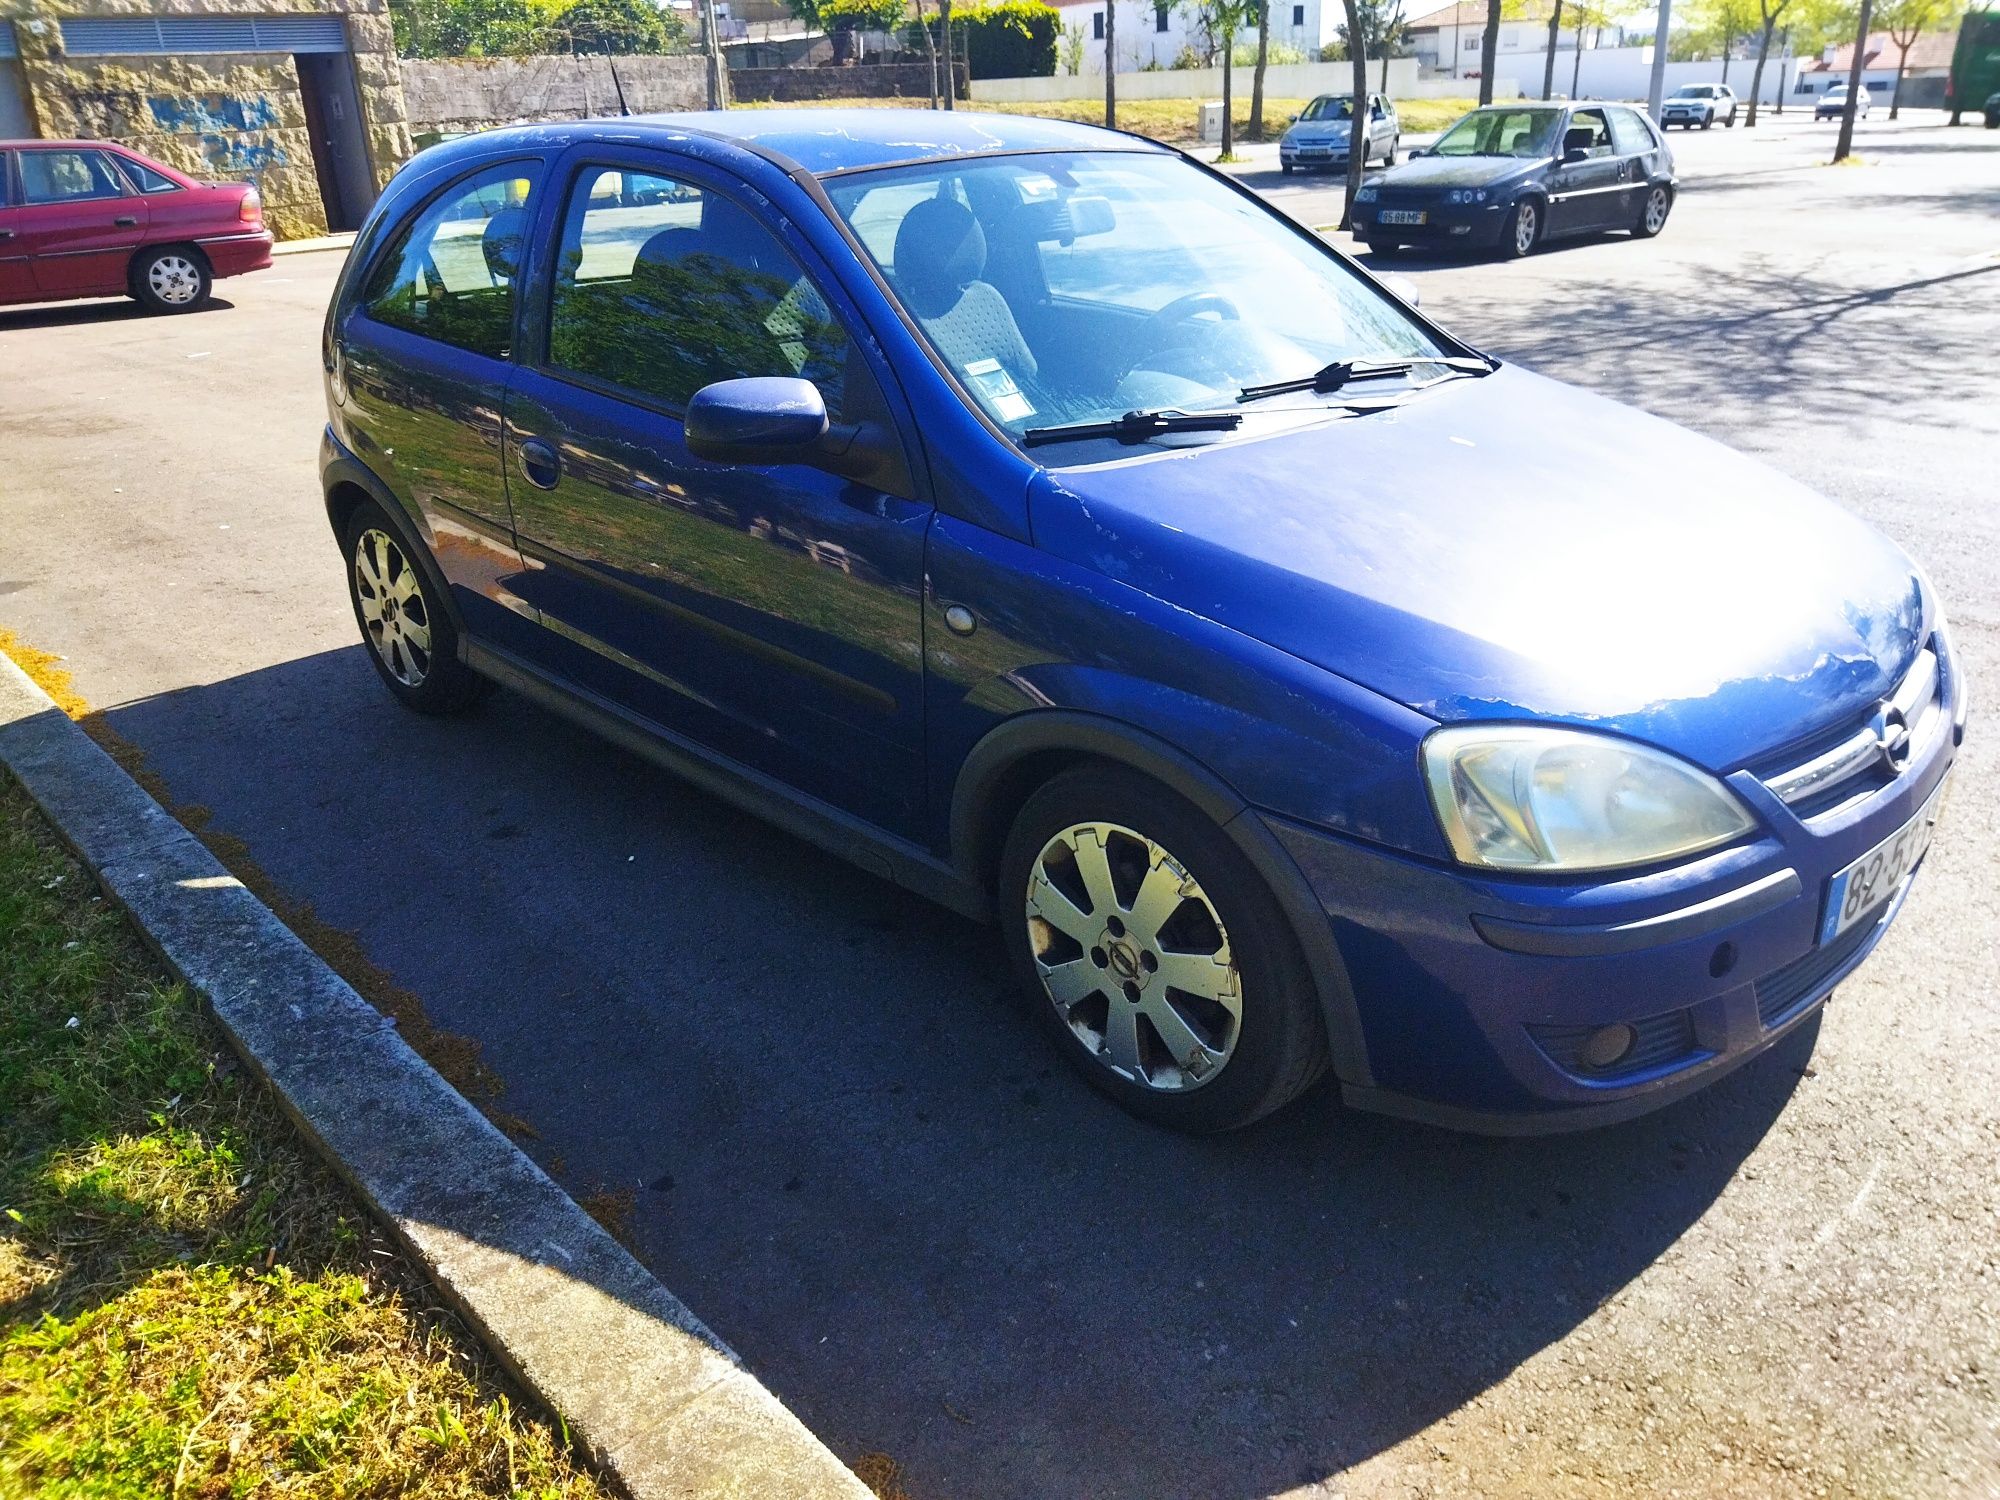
[[1510, 547], [1319, 130], [1458, 171]]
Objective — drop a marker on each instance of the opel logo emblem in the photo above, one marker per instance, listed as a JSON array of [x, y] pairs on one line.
[[1122, 961], [1892, 736]]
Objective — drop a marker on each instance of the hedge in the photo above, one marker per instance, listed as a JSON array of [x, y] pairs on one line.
[[1006, 39]]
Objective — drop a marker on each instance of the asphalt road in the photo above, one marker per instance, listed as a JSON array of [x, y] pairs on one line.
[[853, 1157]]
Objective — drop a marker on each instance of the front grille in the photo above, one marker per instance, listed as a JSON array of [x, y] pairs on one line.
[[1845, 764], [1782, 993], [1661, 1039]]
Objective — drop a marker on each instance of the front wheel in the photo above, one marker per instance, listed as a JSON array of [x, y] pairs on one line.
[[398, 605], [1524, 228], [1708, 122], [1389, 156], [171, 279], [1285, 167], [1154, 955], [1653, 215]]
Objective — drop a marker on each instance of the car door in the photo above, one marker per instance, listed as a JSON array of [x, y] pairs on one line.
[[423, 357], [79, 221], [1583, 195], [17, 277], [1637, 151], [771, 614]]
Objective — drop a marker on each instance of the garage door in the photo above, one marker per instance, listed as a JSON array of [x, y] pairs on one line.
[[140, 36]]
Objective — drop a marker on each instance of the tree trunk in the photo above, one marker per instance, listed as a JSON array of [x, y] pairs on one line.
[[1489, 51], [1549, 66], [950, 63], [1896, 98], [1784, 59], [1228, 107], [1576, 65], [930, 50], [1757, 73], [1257, 78], [1728, 46], [1357, 126], [1110, 64], [1844, 147]]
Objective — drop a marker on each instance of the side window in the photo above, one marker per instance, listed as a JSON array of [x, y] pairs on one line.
[[450, 275], [67, 177], [1591, 120], [662, 288], [146, 179], [1629, 133]]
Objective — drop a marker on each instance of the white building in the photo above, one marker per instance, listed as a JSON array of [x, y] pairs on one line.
[[1447, 42], [1153, 35]]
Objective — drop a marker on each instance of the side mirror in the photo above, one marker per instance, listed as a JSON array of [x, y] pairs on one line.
[[1402, 286], [763, 420], [1290, 120], [1419, 151], [778, 419], [1574, 154]]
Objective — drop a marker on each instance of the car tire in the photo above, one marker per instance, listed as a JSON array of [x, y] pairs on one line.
[[398, 595], [170, 278], [1285, 167], [1710, 120], [1389, 156], [1523, 229], [1179, 898], [1653, 212]]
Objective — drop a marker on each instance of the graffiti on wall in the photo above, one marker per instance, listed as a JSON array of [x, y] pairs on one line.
[[211, 114]]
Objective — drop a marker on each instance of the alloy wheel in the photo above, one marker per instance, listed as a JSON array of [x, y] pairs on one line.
[[1525, 225], [393, 610], [1656, 210], [174, 279], [1133, 955]]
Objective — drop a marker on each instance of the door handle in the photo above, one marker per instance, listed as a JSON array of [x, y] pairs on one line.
[[126, 221], [6, 234], [541, 465]]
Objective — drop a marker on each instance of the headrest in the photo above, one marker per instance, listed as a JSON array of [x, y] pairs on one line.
[[729, 234], [940, 251], [506, 233], [667, 248]]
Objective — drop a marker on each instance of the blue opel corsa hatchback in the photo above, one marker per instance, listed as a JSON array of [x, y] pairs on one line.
[[1033, 517]]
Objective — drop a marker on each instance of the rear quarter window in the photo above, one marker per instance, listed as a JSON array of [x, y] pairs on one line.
[[450, 274]]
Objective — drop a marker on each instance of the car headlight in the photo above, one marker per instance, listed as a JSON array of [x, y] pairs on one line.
[[1466, 195], [1364, 195], [1524, 797]]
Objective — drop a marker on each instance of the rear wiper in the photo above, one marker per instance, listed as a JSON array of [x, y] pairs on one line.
[[1137, 426], [1342, 371]]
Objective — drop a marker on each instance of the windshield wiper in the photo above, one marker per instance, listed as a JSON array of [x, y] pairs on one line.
[[1344, 371], [1137, 426]]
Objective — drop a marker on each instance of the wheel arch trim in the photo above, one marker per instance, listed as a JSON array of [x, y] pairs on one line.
[[983, 776], [341, 470]]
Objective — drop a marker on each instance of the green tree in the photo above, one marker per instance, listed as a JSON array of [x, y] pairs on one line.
[[1220, 21], [1715, 26], [1905, 21], [1769, 13], [1384, 31], [625, 27]]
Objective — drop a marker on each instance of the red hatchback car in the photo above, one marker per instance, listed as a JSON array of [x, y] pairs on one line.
[[93, 219]]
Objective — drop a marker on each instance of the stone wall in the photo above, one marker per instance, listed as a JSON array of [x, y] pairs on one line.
[[863, 81], [454, 96], [233, 117]]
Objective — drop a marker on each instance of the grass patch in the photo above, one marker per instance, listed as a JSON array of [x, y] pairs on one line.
[[1172, 121], [190, 1303]]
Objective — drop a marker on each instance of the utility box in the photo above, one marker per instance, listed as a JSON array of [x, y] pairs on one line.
[[1208, 122]]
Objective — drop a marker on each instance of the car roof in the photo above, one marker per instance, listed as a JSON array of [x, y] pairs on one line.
[[38, 144], [824, 141]]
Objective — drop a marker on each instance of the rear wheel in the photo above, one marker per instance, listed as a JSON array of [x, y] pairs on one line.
[[1653, 213], [398, 605], [1389, 156], [1523, 229], [171, 279], [1154, 955]]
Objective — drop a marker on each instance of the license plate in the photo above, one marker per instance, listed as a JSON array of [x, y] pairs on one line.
[[1863, 886], [1401, 216]]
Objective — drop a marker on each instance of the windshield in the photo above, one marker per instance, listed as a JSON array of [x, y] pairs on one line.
[[1079, 286], [1501, 132], [1691, 91], [1329, 109]]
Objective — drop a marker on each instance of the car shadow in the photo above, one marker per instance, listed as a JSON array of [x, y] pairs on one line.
[[107, 310], [844, 1144]]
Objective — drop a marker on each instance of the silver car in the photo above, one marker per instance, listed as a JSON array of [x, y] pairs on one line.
[[1319, 136], [1700, 104]]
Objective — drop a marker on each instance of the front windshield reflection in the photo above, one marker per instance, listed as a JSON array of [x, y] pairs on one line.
[[1069, 287], [1501, 132]]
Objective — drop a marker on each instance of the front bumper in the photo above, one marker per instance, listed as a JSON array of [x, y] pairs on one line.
[[1474, 992], [1685, 117], [1477, 225], [1330, 156]]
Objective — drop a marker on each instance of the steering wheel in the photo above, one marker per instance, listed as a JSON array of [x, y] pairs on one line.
[[1181, 309]]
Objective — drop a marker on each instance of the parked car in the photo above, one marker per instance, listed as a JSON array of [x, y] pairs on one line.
[[1029, 516], [95, 219], [1512, 176], [1318, 136], [1700, 104], [1833, 103], [1992, 111]]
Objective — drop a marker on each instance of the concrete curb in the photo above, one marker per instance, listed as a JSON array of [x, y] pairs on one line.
[[307, 246], [661, 1404]]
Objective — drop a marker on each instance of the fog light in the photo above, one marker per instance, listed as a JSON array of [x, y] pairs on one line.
[[1461, 229], [1606, 1045]]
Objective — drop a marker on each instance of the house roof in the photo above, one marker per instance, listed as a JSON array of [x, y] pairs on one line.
[[1470, 15], [1931, 49]]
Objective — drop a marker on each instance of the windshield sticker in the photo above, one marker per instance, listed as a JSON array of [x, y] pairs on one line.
[[997, 389]]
